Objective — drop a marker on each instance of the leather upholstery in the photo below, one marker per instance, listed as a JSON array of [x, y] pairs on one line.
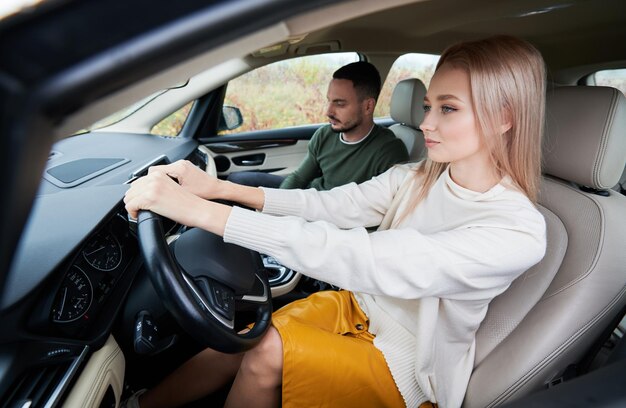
[[585, 131], [406, 109], [553, 314]]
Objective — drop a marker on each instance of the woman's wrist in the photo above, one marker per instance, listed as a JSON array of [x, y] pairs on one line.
[[252, 197], [227, 190], [212, 217]]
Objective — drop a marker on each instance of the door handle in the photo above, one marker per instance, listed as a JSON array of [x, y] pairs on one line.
[[249, 160]]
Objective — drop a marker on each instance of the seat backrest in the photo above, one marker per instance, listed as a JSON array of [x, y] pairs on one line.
[[407, 100], [620, 187], [553, 314]]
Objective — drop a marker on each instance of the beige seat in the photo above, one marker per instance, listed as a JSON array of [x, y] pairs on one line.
[[407, 102], [551, 317], [620, 187]]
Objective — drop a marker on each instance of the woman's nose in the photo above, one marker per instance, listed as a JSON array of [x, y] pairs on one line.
[[427, 124]]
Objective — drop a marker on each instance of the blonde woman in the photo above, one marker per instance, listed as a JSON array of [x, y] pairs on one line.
[[455, 231]]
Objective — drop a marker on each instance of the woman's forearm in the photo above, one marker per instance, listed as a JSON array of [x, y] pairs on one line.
[[252, 197]]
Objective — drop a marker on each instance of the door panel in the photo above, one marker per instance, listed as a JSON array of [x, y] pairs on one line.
[[278, 151]]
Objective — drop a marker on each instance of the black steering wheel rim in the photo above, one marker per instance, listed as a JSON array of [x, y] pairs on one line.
[[188, 302]]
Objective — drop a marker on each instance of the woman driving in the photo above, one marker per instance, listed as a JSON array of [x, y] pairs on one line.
[[454, 231]]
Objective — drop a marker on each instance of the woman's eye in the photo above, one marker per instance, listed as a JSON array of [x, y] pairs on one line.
[[447, 109], [426, 108]]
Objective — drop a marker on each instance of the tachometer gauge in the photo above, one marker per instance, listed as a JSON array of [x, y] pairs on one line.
[[103, 252], [74, 297]]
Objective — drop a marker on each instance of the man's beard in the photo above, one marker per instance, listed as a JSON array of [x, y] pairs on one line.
[[347, 127]]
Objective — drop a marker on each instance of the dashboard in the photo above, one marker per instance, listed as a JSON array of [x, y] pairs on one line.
[[75, 268], [73, 313]]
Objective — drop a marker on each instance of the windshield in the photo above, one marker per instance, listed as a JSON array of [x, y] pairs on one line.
[[122, 114], [128, 111]]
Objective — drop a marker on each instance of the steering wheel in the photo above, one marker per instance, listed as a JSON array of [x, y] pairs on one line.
[[204, 281]]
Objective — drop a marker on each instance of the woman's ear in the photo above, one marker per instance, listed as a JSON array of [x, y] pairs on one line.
[[505, 127], [508, 122]]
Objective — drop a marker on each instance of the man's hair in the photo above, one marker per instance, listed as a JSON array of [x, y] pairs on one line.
[[364, 76]]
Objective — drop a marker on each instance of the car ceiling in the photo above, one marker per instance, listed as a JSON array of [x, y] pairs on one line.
[[571, 34]]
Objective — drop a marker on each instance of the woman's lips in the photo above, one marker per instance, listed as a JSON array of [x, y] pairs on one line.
[[430, 143]]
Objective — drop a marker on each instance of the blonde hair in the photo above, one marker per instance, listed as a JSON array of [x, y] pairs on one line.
[[508, 85]]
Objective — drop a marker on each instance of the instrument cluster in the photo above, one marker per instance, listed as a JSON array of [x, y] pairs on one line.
[[93, 274]]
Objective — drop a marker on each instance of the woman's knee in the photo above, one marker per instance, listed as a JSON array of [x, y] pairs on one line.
[[265, 361]]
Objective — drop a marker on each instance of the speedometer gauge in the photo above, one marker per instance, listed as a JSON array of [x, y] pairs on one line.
[[74, 297], [103, 252]]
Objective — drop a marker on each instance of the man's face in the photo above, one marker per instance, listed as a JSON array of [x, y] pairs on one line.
[[345, 109]]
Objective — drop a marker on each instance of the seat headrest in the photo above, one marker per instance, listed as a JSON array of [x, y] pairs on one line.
[[407, 101], [585, 135]]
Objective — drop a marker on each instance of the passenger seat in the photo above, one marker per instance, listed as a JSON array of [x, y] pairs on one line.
[[407, 103]]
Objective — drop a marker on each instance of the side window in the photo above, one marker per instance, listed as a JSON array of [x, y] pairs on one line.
[[610, 77], [421, 66], [172, 124], [282, 94]]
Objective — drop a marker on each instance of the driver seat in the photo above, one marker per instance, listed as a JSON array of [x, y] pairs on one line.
[[554, 315]]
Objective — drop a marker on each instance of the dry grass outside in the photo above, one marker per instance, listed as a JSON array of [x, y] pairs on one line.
[[283, 94], [292, 93], [172, 124]]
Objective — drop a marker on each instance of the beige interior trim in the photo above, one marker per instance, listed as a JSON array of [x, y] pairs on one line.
[[105, 368], [286, 157], [331, 15], [287, 287], [210, 165]]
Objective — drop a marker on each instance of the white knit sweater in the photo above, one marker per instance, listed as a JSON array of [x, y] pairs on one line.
[[425, 284]]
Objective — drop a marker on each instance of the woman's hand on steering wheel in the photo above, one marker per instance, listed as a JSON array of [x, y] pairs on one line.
[[190, 178], [159, 193]]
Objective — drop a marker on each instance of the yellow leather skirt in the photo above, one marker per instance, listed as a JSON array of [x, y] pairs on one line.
[[329, 356]]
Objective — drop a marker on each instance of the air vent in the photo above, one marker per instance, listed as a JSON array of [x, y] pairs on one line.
[[40, 386]]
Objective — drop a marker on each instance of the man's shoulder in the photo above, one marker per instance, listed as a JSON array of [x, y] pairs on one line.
[[389, 149], [383, 135]]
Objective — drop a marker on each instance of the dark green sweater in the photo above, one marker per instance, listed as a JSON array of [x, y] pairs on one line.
[[331, 162]]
